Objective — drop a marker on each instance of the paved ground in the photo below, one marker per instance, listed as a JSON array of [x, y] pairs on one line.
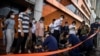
[[2, 50]]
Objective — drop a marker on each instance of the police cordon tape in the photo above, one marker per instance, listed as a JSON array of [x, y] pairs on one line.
[[53, 52]]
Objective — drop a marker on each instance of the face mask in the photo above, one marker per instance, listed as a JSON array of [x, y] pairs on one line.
[[33, 21], [73, 24], [12, 16], [61, 18], [41, 21], [29, 11]]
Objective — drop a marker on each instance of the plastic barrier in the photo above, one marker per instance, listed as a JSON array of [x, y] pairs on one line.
[[53, 52]]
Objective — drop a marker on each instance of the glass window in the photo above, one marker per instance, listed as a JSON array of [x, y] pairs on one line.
[[75, 10], [72, 8]]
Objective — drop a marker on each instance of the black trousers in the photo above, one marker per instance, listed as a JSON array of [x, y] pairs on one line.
[[89, 50], [21, 43], [95, 41], [33, 37], [56, 34]]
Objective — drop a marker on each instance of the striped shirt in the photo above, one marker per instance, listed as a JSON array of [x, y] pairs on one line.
[[25, 22]]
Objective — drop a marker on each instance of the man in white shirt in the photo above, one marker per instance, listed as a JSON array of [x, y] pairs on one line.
[[51, 27], [56, 26], [72, 28]]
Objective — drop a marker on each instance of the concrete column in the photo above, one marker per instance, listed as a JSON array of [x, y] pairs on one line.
[[38, 9], [98, 40]]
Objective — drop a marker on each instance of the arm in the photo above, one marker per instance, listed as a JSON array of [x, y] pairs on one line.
[[69, 45], [6, 23], [45, 42], [30, 30], [20, 23], [30, 33], [2, 25], [37, 29]]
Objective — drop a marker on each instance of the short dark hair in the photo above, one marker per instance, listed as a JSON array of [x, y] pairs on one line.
[[74, 22], [53, 20], [42, 18], [10, 13], [47, 32], [62, 16], [33, 18], [66, 22], [65, 33], [29, 7]]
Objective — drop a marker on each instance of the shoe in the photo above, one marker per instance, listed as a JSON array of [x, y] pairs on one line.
[[8, 53]]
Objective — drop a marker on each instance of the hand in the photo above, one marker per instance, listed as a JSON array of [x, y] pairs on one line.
[[22, 34], [35, 47], [40, 46], [69, 45]]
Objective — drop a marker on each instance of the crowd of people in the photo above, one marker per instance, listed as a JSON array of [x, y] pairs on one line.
[[32, 36]]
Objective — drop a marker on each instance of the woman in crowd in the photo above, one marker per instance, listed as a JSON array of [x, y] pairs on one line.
[[10, 22], [40, 30]]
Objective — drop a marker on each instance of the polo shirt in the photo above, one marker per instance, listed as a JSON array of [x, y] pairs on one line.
[[24, 18]]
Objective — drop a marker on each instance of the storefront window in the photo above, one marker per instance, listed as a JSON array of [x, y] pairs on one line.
[[71, 7]]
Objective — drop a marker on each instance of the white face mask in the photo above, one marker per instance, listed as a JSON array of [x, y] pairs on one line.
[[29, 11], [12, 16], [33, 21], [41, 21], [61, 18], [73, 24], [66, 24]]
